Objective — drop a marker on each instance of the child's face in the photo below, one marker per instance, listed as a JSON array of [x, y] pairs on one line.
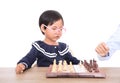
[[54, 32]]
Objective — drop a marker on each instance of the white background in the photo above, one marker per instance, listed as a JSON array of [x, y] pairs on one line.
[[88, 22]]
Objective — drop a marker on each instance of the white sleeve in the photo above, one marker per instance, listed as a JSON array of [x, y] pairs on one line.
[[113, 43]]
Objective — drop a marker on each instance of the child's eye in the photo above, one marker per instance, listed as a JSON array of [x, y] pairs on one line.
[[54, 28], [61, 29]]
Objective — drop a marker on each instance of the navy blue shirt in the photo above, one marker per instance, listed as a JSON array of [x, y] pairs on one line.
[[45, 54]]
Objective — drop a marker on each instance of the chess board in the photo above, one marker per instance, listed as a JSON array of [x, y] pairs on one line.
[[83, 70]]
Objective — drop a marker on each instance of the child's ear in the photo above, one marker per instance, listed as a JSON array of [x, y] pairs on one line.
[[42, 27]]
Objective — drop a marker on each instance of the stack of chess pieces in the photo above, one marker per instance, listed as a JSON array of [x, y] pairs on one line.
[[63, 67], [92, 66]]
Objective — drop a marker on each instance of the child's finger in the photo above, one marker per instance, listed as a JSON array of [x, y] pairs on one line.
[[22, 66]]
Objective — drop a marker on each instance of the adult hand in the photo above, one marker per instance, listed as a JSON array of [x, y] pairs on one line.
[[102, 49]]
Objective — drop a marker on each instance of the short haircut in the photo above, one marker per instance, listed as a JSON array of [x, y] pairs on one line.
[[49, 17]]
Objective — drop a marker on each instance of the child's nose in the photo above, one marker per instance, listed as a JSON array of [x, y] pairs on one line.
[[60, 30]]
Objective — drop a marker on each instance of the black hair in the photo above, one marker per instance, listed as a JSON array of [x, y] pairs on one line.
[[49, 17]]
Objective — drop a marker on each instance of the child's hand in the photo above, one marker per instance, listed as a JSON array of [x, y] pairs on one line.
[[20, 68]]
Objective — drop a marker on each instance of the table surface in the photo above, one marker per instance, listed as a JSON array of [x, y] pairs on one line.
[[38, 75]]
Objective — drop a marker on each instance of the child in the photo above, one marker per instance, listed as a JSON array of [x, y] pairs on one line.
[[51, 25]]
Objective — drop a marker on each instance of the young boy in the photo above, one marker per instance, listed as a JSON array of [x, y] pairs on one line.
[[51, 25]]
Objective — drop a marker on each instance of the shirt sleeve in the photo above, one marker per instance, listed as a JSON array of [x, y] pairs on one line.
[[113, 43], [70, 57], [67, 54], [30, 58], [104, 58], [73, 59]]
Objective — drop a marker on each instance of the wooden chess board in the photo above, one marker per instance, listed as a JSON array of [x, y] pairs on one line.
[[82, 70]]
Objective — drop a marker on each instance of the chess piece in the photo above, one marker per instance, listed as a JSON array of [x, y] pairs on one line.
[[81, 62], [95, 66], [54, 67], [87, 66], [60, 66], [91, 63], [71, 68], [65, 65]]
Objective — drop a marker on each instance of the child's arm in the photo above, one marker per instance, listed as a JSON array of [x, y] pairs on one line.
[[69, 57], [67, 54], [27, 61]]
